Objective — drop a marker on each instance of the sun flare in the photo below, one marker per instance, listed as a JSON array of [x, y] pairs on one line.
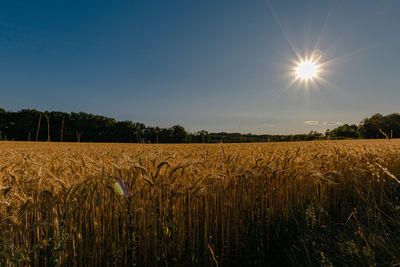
[[306, 70]]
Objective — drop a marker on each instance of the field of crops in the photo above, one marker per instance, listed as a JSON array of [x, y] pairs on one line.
[[299, 203]]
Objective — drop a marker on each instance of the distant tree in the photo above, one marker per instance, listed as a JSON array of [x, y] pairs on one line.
[[139, 131], [392, 125], [179, 134], [199, 137], [85, 127], [313, 135], [369, 127], [344, 131], [328, 133], [389, 124]]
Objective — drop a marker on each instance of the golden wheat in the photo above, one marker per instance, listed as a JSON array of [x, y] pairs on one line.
[[189, 204]]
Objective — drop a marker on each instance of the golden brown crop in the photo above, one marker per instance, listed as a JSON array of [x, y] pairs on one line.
[[225, 204]]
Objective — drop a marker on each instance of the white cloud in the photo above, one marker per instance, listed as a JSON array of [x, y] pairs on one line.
[[314, 123], [332, 123]]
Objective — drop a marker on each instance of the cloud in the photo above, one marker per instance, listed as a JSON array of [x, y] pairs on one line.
[[312, 122], [332, 123], [315, 123]]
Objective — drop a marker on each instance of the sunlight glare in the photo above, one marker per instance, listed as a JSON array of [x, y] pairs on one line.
[[306, 70]]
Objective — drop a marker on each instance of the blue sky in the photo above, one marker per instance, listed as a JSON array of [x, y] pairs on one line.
[[213, 65]]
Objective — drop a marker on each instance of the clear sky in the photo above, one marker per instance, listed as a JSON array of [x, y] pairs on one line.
[[213, 65]]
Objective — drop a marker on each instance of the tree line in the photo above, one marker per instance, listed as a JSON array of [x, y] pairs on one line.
[[377, 126], [34, 125]]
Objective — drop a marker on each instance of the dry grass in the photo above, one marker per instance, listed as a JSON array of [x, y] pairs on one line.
[[306, 203]]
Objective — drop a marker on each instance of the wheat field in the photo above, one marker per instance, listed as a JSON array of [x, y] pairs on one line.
[[324, 203]]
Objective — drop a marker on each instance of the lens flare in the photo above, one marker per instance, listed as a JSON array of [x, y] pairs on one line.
[[121, 187]]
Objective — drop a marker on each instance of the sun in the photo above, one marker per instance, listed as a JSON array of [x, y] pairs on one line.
[[306, 70]]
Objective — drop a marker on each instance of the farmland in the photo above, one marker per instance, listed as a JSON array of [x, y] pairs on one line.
[[296, 203]]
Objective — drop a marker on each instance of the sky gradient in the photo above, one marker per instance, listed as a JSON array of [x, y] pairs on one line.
[[212, 65]]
